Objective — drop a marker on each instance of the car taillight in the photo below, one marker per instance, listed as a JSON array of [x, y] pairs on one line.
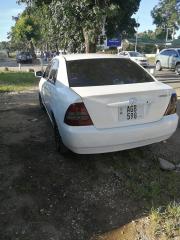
[[171, 109], [77, 115]]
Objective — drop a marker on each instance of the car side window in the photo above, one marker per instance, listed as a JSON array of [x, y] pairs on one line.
[[174, 53], [165, 52], [46, 73], [169, 53], [53, 71]]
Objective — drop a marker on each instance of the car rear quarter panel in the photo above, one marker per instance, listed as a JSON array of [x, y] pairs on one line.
[[64, 97]]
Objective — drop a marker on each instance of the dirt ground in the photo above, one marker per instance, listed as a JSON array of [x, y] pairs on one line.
[[44, 195]]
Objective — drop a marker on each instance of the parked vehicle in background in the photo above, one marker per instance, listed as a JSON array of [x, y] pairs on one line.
[[168, 58], [38, 53], [24, 57], [104, 103], [136, 57]]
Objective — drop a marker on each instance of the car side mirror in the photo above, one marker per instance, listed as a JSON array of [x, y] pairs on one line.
[[52, 79], [39, 74]]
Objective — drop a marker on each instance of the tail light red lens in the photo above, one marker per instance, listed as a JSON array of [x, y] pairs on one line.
[[77, 115], [171, 109]]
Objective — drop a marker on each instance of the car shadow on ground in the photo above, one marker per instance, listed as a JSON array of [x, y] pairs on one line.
[[45, 195]]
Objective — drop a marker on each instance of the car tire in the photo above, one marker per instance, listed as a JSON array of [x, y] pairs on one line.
[[60, 147], [177, 69], [158, 66], [41, 103]]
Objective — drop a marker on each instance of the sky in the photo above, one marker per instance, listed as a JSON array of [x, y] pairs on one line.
[[9, 8], [143, 15]]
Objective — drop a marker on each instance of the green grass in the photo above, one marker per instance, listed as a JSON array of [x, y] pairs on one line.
[[145, 182], [144, 179], [17, 81], [166, 221]]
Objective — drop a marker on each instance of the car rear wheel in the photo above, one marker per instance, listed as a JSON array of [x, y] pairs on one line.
[[158, 66], [60, 147], [41, 103], [177, 69]]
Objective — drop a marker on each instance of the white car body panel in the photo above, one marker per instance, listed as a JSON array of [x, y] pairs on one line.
[[104, 102], [88, 140], [109, 133]]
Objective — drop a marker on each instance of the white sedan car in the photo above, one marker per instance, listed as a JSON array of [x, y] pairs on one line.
[[105, 103], [136, 57]]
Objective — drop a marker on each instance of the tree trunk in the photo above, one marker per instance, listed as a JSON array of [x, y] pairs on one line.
[[56, 46], [90, 47], [32, 50]]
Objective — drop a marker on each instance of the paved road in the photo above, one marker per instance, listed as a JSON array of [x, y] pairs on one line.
[[12, 65], [167, 75]]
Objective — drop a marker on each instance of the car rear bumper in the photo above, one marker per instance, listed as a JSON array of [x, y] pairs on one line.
[[89, 140]]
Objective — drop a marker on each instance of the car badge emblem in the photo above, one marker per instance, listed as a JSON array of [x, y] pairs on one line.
[[132, 101]]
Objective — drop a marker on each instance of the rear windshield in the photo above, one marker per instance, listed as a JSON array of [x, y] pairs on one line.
[[98, 72], [135, 54]]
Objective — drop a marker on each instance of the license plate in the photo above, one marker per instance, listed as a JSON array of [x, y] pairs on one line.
[[131, 112]]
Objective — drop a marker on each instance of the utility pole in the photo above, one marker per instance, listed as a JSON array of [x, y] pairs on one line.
[[167, 34], [173, 33], [136, 35]]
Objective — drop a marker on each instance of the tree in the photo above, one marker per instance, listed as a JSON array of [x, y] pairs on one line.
[[4, 45], [26, 31], [120, 21], [81, 21], [166, 16], [147, 35]]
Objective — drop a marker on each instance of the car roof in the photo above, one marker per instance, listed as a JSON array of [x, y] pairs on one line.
[[170, 49], [70, 57], [131, 51]]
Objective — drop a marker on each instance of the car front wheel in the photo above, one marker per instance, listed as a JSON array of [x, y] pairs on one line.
[[158, 66], [177, 69]]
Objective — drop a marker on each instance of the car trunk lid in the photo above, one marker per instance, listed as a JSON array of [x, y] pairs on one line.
[[124, 105]]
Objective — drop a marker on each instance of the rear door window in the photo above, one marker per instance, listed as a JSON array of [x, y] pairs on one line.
[[174, 53], [98, 72], [54, 70]]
